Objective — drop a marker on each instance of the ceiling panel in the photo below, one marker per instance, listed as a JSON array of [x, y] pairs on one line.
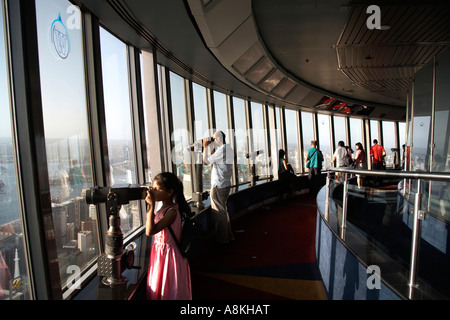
[[384, 61]]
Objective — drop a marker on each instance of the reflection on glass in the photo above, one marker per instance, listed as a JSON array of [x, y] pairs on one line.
[[423, 95], [181, 154], [392, 158], [259, 140], [61, 64], [201, 128], [442, 116], [240, 133], [355, 132], [307, 130], [14, 278], [324, 139], [340, 131], [292, 139], [116, 93], [440, 191], [402, 139]]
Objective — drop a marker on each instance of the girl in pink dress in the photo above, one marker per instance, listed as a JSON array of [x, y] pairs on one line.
[[169, 275]]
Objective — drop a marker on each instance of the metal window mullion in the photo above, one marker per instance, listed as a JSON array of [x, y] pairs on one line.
[[367, 138], [315, 122], [190, 119], [283, 130], [163, 109], [250, 149], [273, 140], [232, 136], [210, 109], [347, 131], [96, 117], [332, 136], [137, 122], [300, 140], [166, 75], [137, 113], [380, 132], [267, 139]]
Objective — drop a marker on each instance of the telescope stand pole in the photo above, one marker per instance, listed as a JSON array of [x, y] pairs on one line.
[[114, 244]]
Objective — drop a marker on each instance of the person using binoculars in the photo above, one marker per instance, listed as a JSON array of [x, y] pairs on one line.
[[220, 155]]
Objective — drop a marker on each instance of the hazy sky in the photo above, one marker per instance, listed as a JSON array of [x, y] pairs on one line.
[[62, 80]]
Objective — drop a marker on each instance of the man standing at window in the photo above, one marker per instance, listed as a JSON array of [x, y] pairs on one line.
[[315, 158], [377, 154], [339, 158], [220, 155]]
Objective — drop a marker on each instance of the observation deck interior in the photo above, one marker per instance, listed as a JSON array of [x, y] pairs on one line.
[[101, 94]]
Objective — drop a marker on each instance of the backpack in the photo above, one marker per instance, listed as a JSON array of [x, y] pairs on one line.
[[192, 237]]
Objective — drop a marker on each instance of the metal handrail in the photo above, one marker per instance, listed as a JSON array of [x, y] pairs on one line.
[[419, 215], [423, 175]]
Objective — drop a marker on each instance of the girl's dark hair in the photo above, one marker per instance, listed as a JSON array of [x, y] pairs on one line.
[[170, 181], [360, 146], [281, 153]]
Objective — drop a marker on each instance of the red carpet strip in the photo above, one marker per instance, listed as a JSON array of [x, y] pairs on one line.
[[272, 258]]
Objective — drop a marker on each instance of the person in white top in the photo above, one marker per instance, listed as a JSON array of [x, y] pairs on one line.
[[221, 156], [339, 156]]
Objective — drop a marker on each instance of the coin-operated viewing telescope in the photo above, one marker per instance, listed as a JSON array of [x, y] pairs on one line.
[[114, 261]]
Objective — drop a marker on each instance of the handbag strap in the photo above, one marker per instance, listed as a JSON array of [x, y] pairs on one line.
[[171, 230], [313, 154]]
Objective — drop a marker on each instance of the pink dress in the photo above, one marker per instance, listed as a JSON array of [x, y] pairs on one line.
[[169, 276]]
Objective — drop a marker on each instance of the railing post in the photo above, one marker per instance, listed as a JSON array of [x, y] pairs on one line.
[[344, 206], [327, 196], [415, 241]]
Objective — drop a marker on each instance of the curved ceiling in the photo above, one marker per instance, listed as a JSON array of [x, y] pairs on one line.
[[326, 54], [309, 54]]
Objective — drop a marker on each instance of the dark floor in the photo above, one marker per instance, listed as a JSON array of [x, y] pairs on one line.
[[272, 258]]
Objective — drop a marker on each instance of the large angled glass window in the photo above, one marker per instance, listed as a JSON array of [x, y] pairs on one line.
[[421, 139], [356, 132], [389, 144], [293, 156], [324, 139], [340, 131], [259, 133], [307, 131], [181, 139], [221, 119], [14, 277], [221, 114], [61, 65], [116, 91], [374, 131], [201, 128], [442, 115], [241, 140]]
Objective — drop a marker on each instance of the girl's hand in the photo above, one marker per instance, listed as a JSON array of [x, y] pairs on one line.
[[150, 198]]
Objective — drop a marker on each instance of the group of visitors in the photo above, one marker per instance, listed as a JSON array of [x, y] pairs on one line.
[[344, 157], [169, 273]]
